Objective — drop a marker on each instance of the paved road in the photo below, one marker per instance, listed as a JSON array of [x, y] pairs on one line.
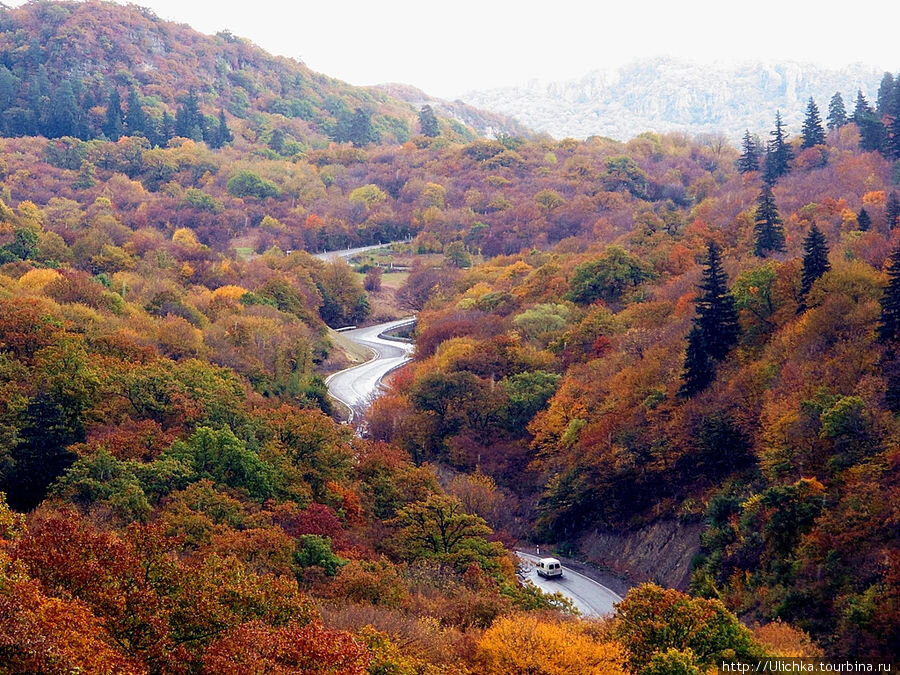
[[590, 597], [355, 387], [349, 252]]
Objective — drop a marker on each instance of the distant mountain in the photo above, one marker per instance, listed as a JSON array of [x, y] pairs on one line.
[[488, 124], [62, 64], [664, 94]]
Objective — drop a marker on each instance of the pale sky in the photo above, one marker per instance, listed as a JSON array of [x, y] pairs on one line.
[[447, 48]]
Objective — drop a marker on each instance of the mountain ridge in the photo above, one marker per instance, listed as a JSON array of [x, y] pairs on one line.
[[667, 94]]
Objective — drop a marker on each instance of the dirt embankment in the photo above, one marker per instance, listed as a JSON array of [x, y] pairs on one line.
[[660, 552]]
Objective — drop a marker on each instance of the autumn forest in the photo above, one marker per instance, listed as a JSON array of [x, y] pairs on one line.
[[674, 360]]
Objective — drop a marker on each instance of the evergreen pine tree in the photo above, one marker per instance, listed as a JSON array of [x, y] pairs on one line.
[[189, 122], [837, 113], [769, 231], [428, 122], [136, 119], [361, 132], [893, 144], [863, 220], [884, 104], [781, 151], [892, 210], [770, 170], [871, 130], [224, 132], [813, 133], [715, 329], [815, 261], [113, 128], [889, 326], [64, 114], [166, 128], [749, 159]]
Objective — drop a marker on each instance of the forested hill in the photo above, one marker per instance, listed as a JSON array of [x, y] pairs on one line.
[[97, 69]]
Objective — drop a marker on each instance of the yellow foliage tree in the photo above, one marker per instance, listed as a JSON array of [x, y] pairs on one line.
[[184, 236], [35, 280], [525, 644]]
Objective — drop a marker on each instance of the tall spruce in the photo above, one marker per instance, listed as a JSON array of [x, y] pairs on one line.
[[781, 153], [889, 326], [815, 262], [863, 220], [769, 233], [749, 159], [837, 113], [892, 210], [715, 329], [813, 133], [428, 122], [136, 119], [871, 130], [893, 144], [884, 104], [113, 128]]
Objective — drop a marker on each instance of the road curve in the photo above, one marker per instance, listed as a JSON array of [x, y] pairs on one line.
[[349, 252], [356, 387], [590, 597]]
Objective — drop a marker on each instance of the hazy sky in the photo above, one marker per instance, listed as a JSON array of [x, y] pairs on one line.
[[452, 46]]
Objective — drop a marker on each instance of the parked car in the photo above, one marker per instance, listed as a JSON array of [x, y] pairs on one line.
[[549, 567]]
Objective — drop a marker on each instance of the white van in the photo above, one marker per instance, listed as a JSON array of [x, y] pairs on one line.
[[549, 567]]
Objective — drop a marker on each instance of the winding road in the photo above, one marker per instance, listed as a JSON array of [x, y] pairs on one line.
[[592, 598], [356, 387], [349, 252]]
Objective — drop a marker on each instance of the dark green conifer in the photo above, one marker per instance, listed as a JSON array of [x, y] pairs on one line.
[[715, 328], [361, 132], [189, 121], [893, 143], [889, 326], [749, 159], [428, 122], [815, 261], [136, 119], [113, 128], [892, 210], [813, 133], [871, 130], [863, 220], [884, 103], [769, 231], [781, 153], [64, 115], [224, 131], [837, 113]]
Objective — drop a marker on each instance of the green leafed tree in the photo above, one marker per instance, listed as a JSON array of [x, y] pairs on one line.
[[608, 278]]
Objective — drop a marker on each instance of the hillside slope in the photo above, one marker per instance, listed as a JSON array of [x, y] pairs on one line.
[[60, 63]]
